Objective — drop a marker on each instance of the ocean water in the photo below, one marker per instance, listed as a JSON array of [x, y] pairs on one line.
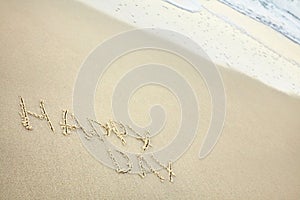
[[226, 43], [281, 15]]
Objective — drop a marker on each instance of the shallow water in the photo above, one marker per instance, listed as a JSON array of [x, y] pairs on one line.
[[281, 15], [226, 43]]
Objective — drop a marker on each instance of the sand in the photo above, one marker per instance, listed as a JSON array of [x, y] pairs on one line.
[[230, 39], [43, 44]]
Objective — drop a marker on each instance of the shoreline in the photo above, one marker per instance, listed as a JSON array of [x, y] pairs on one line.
[[254, 56]]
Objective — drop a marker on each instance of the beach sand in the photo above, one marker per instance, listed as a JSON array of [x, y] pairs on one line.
[[230, 38], [43, 44]]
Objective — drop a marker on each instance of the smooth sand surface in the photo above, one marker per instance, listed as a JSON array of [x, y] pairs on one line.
[[43, 44]]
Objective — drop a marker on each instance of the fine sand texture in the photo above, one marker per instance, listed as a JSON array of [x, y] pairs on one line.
[[43, 44]]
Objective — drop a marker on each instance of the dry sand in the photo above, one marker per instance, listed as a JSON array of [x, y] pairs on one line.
[[43, 44]]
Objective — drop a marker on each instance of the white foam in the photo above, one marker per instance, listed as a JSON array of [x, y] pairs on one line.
[[225, 43], [189, 5], [281, 16]]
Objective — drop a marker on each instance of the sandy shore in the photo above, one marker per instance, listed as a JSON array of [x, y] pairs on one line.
[[229, 38], [42, 47]]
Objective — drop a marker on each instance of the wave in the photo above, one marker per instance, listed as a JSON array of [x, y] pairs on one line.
[[282, 16]]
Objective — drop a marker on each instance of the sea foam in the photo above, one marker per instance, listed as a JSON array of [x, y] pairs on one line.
[[224, 42]]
